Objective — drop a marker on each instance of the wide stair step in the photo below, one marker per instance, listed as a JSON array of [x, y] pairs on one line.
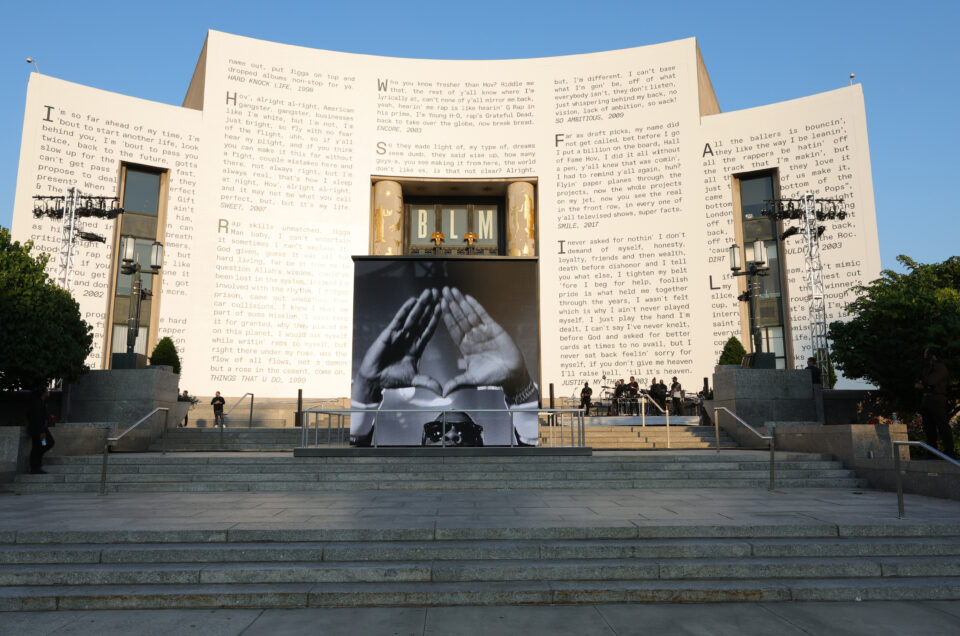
[[265, 568], [234, 439], [637, 437], [259, 473]]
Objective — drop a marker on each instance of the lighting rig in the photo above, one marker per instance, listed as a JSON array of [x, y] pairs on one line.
[[68, 208], [810, 212]]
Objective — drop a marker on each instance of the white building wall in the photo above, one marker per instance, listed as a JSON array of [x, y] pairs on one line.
[[262, 225]]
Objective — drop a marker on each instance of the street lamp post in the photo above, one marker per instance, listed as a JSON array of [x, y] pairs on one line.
[[757, 267], [130, 266]]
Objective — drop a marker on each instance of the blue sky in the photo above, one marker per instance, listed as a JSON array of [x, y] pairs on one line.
[[904, 54]]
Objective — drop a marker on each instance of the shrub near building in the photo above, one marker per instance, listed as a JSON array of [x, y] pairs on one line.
[[42, 335], [165, 353]]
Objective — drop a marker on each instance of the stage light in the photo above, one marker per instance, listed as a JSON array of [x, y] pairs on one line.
[[91, 237], [790, 231]]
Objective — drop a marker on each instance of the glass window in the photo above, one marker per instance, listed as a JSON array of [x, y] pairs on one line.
[[773, 341], [769, 285], [141, 255], [753, 192], [767, 309], [120, 340], [141, 192]]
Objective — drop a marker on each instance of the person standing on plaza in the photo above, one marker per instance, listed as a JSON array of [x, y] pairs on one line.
[[933, 405], [814, 371], [585, 394], [185, 398], [676, 395], [633, 392], [218, 403], [38, 427], [662, 394]]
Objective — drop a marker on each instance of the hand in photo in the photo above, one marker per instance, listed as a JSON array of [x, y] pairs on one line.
[[392, 360], [489, 353]]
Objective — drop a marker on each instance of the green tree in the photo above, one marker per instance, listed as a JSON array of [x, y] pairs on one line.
[[42, 335], [166, 353], [893, 319], [733, 352]]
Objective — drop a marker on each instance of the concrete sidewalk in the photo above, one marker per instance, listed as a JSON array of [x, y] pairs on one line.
[[933, 618], [469, 509]]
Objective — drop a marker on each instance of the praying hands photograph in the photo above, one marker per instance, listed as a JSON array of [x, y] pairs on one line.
[[445, 352]]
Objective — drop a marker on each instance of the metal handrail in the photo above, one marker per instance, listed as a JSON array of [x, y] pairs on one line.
[[768, 438], [227, 412], [646, 399], [577, 433], [237, 403], [898, 471], [111, 441]]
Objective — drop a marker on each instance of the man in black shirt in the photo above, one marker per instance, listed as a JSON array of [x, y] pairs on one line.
[[585, 394], [218, 403], [676, 396], [633, 390], [662, 394], [814, 370], [618, 389], [38, 427]]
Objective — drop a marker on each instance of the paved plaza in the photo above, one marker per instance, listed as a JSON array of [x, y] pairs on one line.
[[425, 510], [926, 618], [315, 516]]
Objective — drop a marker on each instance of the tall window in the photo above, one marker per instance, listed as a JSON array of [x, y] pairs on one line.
[[141, 221], [768, 312]]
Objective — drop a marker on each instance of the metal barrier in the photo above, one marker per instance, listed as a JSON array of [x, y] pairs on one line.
[[898, 471], [112, 441], [556, 426], [768, 438], [577, 434], [227, 412]]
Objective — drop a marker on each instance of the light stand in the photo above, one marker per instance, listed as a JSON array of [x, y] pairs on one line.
[[68, 208], [758, 267], [811, 212]]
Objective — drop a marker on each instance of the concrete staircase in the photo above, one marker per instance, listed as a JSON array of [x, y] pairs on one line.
[[650, 437], [265, 473], [296, 568], [231, 439]]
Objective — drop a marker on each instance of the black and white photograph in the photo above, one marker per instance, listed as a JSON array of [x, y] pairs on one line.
[[445, 352]]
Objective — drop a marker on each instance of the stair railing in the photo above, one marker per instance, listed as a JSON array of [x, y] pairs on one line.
[[227, 412], [645, 399], [237, 403], [898, 470], [112, 441], [768, 438]]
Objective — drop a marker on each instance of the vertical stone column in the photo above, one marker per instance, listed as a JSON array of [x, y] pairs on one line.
[[387, 218], [521, 223]]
